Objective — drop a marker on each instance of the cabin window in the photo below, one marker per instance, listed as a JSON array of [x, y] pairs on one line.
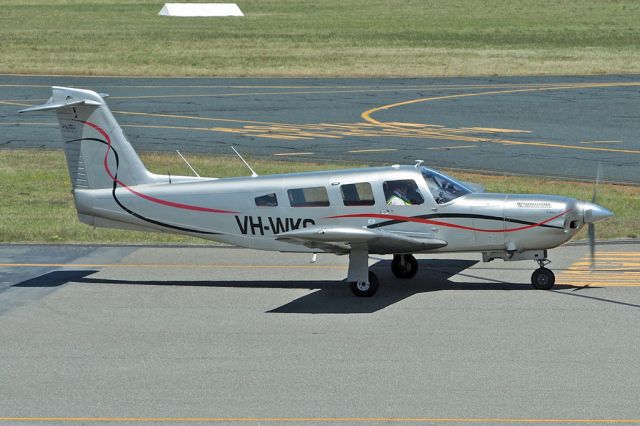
[[357, 194], [402, 193], [268, 200], [308, 197]]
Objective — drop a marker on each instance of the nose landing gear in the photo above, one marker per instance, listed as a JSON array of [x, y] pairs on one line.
[[543, 278]]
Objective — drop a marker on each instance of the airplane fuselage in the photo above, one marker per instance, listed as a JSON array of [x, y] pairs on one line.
[[254, 211]]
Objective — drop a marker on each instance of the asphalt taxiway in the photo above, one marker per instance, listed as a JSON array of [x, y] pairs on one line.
[[551, 126], [229, 335]]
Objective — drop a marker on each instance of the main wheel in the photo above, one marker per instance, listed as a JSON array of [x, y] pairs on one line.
[[543, 279], [365, 289], [406, 269]]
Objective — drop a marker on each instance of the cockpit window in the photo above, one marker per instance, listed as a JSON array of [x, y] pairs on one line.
[[442, 187]]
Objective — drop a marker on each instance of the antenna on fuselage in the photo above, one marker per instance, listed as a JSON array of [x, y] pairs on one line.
[[418, 163], [185, 160], [253, 173]]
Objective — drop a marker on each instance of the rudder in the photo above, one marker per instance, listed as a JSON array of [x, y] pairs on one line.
[[97, 151]]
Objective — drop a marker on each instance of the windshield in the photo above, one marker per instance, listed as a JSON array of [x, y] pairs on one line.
[[442, 187]]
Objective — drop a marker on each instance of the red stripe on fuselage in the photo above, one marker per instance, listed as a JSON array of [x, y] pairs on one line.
[[446, 224], [139, 194]]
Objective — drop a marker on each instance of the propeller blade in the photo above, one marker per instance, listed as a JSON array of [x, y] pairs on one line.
[[592, 244], [595, 188], [592, 228]]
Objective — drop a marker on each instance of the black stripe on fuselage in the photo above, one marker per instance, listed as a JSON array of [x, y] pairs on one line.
[[461, 215], [126, 209]]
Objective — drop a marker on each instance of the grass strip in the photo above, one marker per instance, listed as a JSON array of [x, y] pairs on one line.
[[323, 38], [37, 205]]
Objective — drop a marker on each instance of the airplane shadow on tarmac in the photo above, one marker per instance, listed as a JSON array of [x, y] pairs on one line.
[[433, 275], [331, 297], [56, 278]]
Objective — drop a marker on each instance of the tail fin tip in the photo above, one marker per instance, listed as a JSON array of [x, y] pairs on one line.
[[67, 97]]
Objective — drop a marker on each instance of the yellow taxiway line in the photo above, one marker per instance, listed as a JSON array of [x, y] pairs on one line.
[[357, 151], [284, 154], [162, 266], [314, 419], [577, 275], [612, 269], [407, 129], [367, 115]]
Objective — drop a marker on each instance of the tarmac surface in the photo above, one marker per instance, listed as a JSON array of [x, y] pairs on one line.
[[133, 333], [549, 126]]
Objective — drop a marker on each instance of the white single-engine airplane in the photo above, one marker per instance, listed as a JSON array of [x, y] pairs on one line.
[[397, 210]]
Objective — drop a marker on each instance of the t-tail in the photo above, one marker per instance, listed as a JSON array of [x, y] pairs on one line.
[[98, 154]]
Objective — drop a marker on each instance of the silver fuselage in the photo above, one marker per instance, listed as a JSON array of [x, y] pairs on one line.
[[225, 210]]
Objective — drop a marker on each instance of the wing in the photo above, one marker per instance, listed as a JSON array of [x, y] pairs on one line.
[[340, 240]]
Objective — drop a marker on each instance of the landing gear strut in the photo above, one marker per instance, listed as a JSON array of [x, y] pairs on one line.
[[543, 278], [404, 266], [364, 283]]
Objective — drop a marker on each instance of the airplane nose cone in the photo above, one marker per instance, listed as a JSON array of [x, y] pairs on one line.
[[593, 213]]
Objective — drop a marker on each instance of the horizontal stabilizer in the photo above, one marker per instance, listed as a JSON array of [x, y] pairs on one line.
[[49, 106]]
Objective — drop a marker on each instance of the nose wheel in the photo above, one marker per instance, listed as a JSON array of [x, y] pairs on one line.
[[543, 278]]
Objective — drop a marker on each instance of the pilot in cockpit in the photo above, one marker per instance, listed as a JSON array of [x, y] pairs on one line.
[[398, 195]]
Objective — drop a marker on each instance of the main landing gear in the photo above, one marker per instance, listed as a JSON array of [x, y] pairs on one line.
[[365, 288], [404, 266], [543, 278], [364, 283]]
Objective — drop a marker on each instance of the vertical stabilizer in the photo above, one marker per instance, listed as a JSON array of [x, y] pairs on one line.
[[98, 154]]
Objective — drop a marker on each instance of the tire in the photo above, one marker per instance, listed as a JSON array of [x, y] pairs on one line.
[[410, 268], [543, 279], [368, 289]]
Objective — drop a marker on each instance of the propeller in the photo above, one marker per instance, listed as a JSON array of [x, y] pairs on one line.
[[591, 230]]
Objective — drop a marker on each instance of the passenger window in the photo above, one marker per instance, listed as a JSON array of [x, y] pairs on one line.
[[402, 193], [357, 194], [268, 200], [308, 197]]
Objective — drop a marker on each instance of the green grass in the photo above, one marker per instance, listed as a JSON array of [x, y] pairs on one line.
[[37, 205], [323, 38]]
